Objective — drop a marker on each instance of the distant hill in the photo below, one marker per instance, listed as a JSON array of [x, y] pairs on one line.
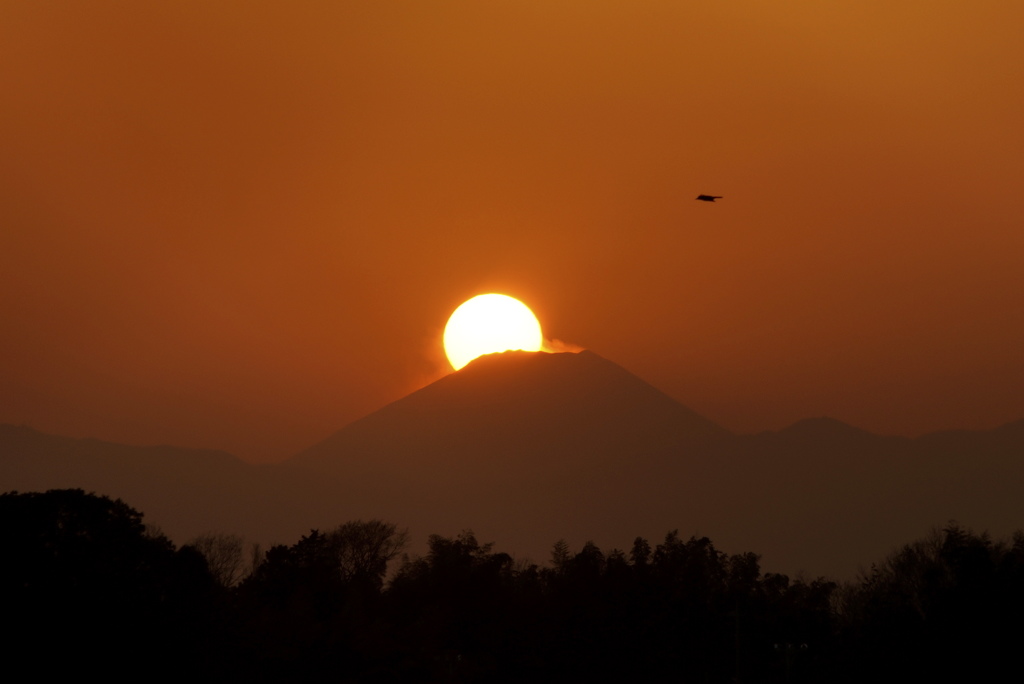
[[184, 492], [526, 448]]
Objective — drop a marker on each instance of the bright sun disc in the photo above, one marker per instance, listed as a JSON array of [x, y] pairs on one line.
[[487, 324]]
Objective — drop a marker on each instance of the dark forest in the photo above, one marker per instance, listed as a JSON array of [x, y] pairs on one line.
[[86, 586]]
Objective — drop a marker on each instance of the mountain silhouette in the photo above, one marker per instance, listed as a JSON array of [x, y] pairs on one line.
[[526, 448], [512, 406], [569, 442]]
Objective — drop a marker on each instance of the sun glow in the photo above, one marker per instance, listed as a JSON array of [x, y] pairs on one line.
[[487, 324]]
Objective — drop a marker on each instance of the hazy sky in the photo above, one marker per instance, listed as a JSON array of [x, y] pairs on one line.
[[242, 225]]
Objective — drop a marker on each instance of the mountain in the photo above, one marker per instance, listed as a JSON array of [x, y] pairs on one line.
[[504, 416], [527, 448]]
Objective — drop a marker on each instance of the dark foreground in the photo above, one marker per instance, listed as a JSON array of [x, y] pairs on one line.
[[85, 588]]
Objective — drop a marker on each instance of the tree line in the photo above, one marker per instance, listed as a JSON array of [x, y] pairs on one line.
[[85, 586]]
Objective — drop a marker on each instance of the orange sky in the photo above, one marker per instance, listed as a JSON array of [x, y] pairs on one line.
[[242, 225]]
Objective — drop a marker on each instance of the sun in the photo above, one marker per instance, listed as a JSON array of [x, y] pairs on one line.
[[490, 323]]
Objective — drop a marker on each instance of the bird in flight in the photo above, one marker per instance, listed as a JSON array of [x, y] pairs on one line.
[[708, 198]]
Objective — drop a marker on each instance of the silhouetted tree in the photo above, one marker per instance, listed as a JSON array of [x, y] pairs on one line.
[[82, 584], [224, 556], [640, 556], [948, 605], [366, 548], [457, 610], [305, 610], [560, 554]]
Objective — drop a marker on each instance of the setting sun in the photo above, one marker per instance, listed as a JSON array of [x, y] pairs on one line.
[[490, 323]]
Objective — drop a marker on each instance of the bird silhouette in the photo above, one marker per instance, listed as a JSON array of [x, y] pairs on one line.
[[708, 198]]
